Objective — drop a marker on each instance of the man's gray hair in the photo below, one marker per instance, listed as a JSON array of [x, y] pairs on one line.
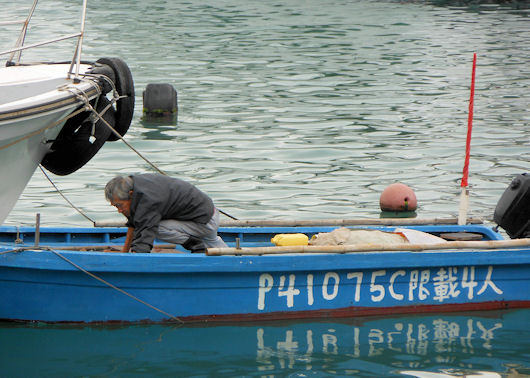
[[119, 188]]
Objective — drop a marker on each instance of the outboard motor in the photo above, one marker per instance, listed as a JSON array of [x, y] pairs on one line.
[[513, 209]]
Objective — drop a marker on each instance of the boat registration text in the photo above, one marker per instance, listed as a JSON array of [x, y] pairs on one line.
[[413, 285]]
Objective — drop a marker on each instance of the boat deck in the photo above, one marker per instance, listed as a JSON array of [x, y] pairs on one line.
[[12, 236]]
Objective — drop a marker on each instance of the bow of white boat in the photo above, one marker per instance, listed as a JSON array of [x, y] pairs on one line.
[[48, 117], [26, 91]]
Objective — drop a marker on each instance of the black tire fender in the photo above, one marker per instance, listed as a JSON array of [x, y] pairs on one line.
[[125, 87], [73, 149], [103, 70]]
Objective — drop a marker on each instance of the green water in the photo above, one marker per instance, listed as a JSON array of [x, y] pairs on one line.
[[492, 344], [298, 109], [306, 109]]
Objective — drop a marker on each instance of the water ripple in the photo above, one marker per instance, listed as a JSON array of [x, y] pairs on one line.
[[309, 111]]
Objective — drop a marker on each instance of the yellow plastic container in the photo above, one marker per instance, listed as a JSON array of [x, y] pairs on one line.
[[290, 239]]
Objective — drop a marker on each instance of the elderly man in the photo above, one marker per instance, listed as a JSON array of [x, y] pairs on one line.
[[172, 210]]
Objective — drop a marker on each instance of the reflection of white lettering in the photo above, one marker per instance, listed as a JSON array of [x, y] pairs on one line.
[[263, 353], [310, 348], [411, 341], [445, 284], [423, 332], [288, 344], [436, 339], [288, 347], [375, 336], [445, 334], [329, 340], [465, 341], [359, 277], [469, 284], [335, 291], [377, 288], [423, 339], [290, 292], [487, 334], [265, 285], [356, 343], [399, 297], [399, 328], [310, 299], [489, 282], [309, 340], [259, 337]]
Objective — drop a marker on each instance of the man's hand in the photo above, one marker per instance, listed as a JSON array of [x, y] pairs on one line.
[[128, 240]]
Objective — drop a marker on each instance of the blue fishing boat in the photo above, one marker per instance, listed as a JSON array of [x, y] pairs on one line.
[[52, 115], [73, 275]]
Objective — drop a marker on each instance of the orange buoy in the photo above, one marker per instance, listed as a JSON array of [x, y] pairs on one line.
[[398, 197]]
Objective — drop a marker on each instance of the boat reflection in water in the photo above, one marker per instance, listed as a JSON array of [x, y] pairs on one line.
[[441, 343]]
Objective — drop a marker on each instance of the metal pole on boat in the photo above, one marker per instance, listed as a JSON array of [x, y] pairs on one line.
[[22, 36], [464, 195], [80, 41], [37, 230]]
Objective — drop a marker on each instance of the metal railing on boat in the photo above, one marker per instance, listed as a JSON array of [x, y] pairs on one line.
[[19, 45]]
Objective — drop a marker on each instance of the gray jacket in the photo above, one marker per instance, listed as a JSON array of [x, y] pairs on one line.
[[156, 197]]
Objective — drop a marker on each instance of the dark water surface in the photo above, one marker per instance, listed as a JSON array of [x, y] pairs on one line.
[[297, 109]]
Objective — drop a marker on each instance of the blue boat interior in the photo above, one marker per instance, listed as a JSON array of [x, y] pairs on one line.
[[12, 236]]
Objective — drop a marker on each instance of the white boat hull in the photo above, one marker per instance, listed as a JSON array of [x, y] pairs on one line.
[[34, 104]]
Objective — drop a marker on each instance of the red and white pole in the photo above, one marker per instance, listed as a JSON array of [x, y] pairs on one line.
[[464, 195]]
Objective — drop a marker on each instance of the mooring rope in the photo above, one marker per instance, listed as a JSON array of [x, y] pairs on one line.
[[111, 285], [93, 276], [118, 135], [66, 199], [115, 98], [81, 95], [15, 250]]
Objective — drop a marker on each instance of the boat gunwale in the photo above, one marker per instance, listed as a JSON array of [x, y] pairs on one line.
[[185, 263], [111, 237], [475, 228], [63, 101]]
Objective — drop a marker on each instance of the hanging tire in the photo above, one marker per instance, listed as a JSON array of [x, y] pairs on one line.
[[72, 149], [125, 87]]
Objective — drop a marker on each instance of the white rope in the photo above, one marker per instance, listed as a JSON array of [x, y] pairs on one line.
[[100, 117], [124, 141], [66, 199], [80, 94], [112, 286], [95, 277]]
